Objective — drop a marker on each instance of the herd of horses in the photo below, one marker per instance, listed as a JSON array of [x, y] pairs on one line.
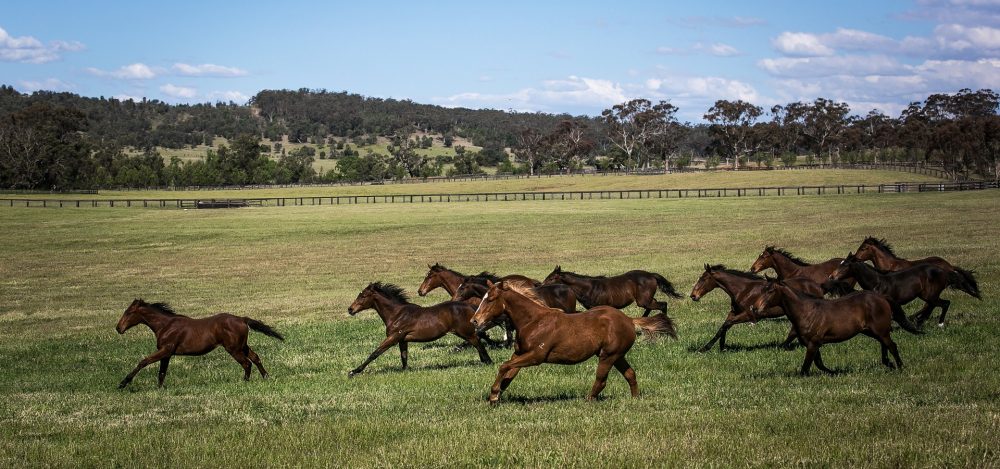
[[542, 324]]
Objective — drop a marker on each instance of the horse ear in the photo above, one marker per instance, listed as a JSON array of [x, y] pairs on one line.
[[430, 266], [558, 268], [707, 267]]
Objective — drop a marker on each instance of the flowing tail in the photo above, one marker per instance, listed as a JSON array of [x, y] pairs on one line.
[[666, 286], [656, 325], [964, 280], [900, 317], [262, 328]]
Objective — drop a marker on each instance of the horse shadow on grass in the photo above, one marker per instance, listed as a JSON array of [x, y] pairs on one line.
[[390, 370], [530, 400], [745, 348]]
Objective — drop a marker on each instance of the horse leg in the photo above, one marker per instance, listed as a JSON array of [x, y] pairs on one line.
[[508, 333], [895, 352], [944, 304], [921, 316], [163, 370], [473, 340], [720, 335], [403, 353], [256, 361], [811, 350], [789, 342], [603, 368], [819, 362], [155, 357], [626, 370], [508, 370], [243, 360], [646, 312], [382, 347]]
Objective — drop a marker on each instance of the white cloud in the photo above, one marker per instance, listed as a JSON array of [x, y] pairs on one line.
[[126, 97], [27, 49], [693, 95], [801, 44], [49, 84], [227, 96], [551, 96], [136, 71], [831, 65], [208, 70], [178, 91], [979, 40], [718, 49]]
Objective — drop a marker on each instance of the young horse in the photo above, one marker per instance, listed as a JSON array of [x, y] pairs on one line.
[[636, 286], [789, 266], [441, 276], [743, 289], [406, 322], [924, 281], [547, 335], [882, 256], [181, 335], [555, 295], [820, 321]]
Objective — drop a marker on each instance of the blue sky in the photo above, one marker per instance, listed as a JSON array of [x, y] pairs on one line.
[[577, 57]]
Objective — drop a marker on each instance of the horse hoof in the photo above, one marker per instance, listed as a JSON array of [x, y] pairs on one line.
[[351, 374], [494, 402], [941, 325], [122, 384]]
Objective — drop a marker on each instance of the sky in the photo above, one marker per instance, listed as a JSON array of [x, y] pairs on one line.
[[577, 57]]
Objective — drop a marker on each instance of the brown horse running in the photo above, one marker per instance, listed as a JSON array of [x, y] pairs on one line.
[[634, 286], [443, 277], [743, 289], [924, 281], [555, 295], [880, 253], [788, 266], [180, 335], [820, 321], [547, 335], [407, 322]]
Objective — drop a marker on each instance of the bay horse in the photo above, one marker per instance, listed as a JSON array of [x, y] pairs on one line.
[[407, 322], [788, 266], [443, 277], [743, 289], [548, 335], [554, 295], [820, 321], [634, 286], [880, 253], [925, 281], [177, 334]]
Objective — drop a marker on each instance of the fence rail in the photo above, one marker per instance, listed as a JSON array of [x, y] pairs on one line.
[[510, 196]]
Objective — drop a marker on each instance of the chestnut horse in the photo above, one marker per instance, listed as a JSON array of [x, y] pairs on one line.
[[743, 289], [882, 256], [555, 295], [788, 266], [441, 276], [407, 322], [180, 335], [636, 286], [924, 281], [548, 335], [820, 321]]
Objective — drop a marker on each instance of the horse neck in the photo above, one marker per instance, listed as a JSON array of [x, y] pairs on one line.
[[731, 284], [522, 311], [451, 280], [577, 281], [783, 265], [882, 259], [155, 320], [387, 308], [866, 276], [792, 303]]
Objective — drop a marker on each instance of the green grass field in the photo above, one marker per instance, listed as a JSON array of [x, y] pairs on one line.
[[67, 275], [717, 179]]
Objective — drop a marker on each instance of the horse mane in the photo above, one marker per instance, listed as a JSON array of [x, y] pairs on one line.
[[738, 273], [789, 255], [438, 268], [392, 291], [484, 275], [162, 307], [584, 276], [880, 243], [528, 293]]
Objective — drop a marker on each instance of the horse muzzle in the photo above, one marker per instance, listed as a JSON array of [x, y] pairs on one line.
[[695, 297], [351, 311]]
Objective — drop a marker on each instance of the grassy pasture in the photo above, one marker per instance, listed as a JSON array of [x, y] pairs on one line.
[[66, 276], [545, 183]]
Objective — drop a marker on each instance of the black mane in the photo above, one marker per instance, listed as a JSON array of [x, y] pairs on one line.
[[581, 275], [438, 268], [394, 292], [788, 255], [164, 308], [738, 273], [880, 243], [484, 276]]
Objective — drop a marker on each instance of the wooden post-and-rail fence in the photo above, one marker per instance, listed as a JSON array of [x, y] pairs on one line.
[[507, 196]]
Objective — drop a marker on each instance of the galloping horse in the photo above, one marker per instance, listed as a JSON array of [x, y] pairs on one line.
[[180, 335], [441, 276], [924, 281], [636, 286], [743, 289], [554, 295], [547, 335], [407, 322], [882, 256], [820, 321], [788, 266]]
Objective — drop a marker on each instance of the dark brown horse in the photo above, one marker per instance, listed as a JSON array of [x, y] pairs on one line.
[[547, 335], [924, 281], [882, 256], [788, 266], [743, 289], [443, 277], [180, 335], [820, 321], [634, 286], [407, 322]]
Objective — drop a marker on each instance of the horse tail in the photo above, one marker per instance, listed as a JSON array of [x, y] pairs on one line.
[[900, 317], [964, 280], [262, 328], [665, 286], [656, 325]]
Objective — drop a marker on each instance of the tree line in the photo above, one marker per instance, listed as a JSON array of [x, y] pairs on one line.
[[56, 141]]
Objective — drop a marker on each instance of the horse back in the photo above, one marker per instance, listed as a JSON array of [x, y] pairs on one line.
[[197, 336]]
